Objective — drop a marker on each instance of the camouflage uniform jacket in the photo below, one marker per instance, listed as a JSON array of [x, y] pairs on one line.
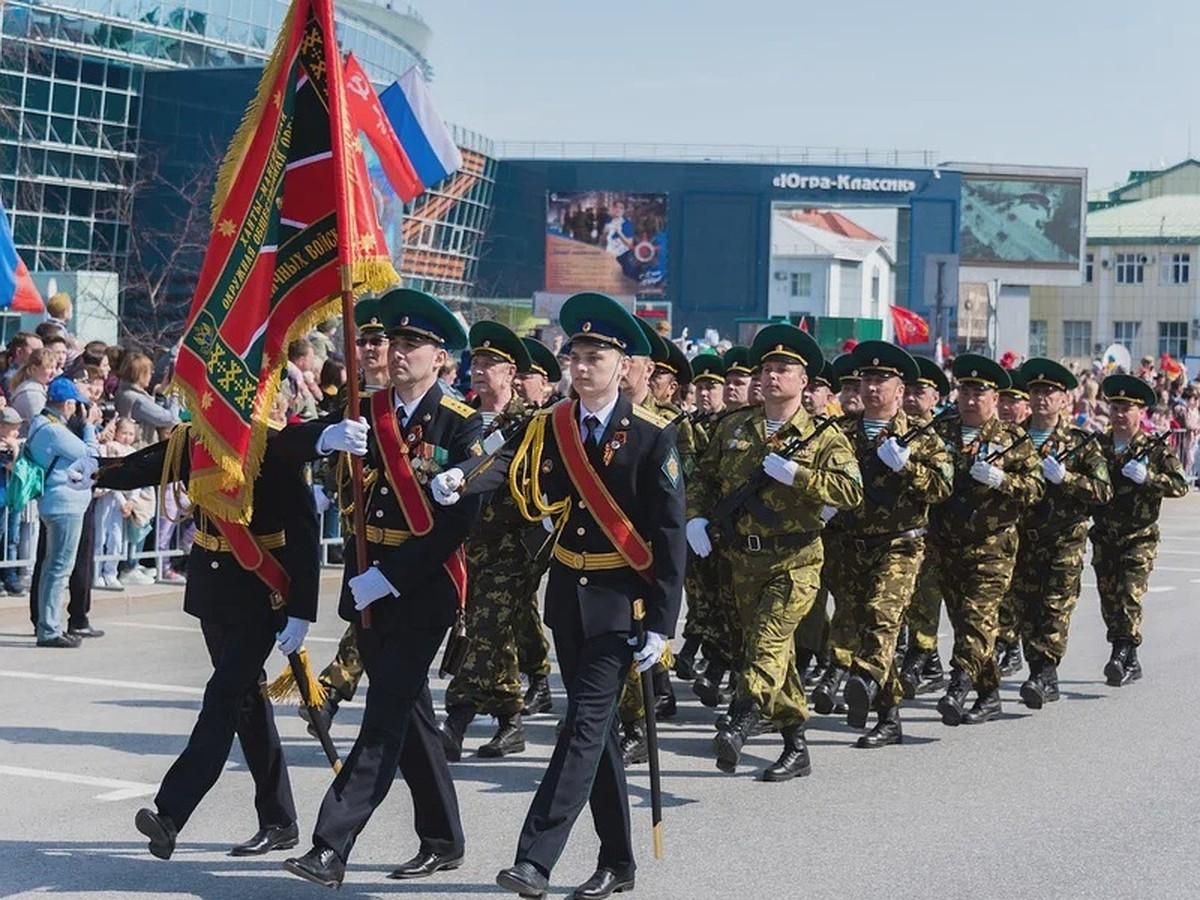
[[828, 474], [1085, 486], [685, 436], [974, 510], [501, 526], [896, 502], [1134, 508]]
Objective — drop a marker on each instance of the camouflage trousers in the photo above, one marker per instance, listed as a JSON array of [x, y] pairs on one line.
[[1123, 567], [875, 593], [712, 617], [346, 670], [1045, 586], [839, 639], [974, 579], [498, 588], [925, 611], [533, 650], [773, 593], [813, 634], [1008, 619]]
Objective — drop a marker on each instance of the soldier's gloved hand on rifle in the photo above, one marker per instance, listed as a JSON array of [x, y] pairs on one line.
[[369, 587], [1054, 471], [892, 455], [445, 486], [781, 469], [986, 473], [1136, 471], [82, 472], [697, 536], [348, 435], [292, 636], [651, 650]]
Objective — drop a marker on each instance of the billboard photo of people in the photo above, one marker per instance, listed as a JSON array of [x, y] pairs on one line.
[[1021, 222], [614, 242]]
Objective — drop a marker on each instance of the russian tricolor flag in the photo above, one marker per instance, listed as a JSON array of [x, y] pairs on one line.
[[423, 135], [17, 291]]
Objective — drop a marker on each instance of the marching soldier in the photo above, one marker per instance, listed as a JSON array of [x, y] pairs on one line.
[[776, 555], [921, 671], [609, 472], [414, 586], [1124, 534], [499, 567], [848, 384], [537, 388], [244, 608], [1053, 534], [1012, 407], [738, 377], [974, 536], [904, 472]]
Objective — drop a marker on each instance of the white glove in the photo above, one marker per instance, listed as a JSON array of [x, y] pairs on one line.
[[986, 473], [321, 499], [1054, 471], [652, 650], [81, 473], [445, 486], [292, 636], [369, 587], [349, 435], [828, 512], [547, 523], [697, 537], [892, 455], [782, 470], [1135, 471]]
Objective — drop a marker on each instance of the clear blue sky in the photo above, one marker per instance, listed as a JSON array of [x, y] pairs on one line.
[[1108, 85]]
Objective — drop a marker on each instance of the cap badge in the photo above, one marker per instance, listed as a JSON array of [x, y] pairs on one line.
[[403, 321], [875, 361], [974, 373], [585, 327]]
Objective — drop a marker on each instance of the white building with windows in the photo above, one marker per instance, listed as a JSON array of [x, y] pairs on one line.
[[824, 264], [1140, 285]]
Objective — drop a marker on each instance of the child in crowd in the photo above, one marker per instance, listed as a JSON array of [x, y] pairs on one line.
[[114, 508]]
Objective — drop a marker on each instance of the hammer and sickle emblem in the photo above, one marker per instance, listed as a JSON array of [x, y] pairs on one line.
[[359, 86]]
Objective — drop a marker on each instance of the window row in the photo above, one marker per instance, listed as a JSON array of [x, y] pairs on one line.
[[36, 162], [38, 127], [1078, 338], [1130, 268], [64, 97], [60, 233]]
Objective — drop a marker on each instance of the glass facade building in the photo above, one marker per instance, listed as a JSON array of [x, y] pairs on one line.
[[72, 82]]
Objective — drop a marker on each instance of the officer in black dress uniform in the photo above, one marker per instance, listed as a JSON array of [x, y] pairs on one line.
[[239, 624], [412, 599], [592, 587]]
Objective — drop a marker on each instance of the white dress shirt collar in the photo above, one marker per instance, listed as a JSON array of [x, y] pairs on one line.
[[603, 414], [406, 410]]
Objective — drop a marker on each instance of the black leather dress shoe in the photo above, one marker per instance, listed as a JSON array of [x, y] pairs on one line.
[[160, 829], [604, 883], [87, 631], [62, 641], [268, 838], [320, 865], [425, 864], [523, 878]]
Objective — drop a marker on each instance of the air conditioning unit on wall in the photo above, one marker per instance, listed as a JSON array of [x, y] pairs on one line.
[[781, 276]]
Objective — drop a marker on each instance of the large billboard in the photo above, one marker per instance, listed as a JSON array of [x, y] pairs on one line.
[[1021, 221], [614, 242]]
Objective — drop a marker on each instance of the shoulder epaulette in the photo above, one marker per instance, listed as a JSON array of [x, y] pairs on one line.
[[457, 406], [649, 416]]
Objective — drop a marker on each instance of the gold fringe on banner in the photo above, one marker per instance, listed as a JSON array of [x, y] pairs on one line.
[[285, 690]]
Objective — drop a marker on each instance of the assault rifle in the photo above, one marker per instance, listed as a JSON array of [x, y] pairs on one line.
[[879, 494], [746, 496]]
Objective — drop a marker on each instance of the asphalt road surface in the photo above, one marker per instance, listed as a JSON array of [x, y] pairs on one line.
[[1097, 795]]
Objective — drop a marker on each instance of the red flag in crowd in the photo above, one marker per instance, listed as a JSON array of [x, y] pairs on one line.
[[1170, 366], [909, 327], [367, 115]]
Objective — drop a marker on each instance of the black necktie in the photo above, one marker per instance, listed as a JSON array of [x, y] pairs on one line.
[[592, 429], [401, 418]]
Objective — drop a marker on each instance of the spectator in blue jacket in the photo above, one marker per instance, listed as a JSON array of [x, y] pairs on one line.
[[61, 508]]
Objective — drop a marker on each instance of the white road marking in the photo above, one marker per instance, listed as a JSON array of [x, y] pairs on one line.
[[118, 790]]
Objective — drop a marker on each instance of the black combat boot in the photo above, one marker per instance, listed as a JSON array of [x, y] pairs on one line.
[[708, 686], [903, 640], [685, 659], [1042, 685], [538, 698], [794, 762], [804, 661], [860, 693], [1115, 670], [1133, 666], [985, 708], [910, 670], [933, 676], [951, 705], [454, 729], [1011, 661], [825, 694], [509, 738], [886, 731], [722, 721], [664, 694], [729, 743], [634, 749], [816, 673]]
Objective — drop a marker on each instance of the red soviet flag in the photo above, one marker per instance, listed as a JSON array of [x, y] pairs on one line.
[[368, 117], [909, 327]]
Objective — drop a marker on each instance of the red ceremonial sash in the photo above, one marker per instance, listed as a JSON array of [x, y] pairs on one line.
[[253, 557], [615, 524], [413, 502]]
